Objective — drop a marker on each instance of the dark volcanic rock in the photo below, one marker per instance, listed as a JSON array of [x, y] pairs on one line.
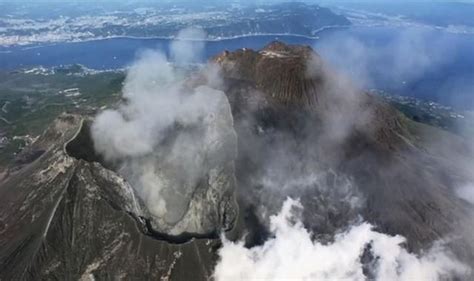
[[285, 98], [69, 219], [278, 70]]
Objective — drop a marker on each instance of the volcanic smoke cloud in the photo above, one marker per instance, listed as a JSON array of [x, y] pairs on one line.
[[157, 102], [358, 251], [292, 255]]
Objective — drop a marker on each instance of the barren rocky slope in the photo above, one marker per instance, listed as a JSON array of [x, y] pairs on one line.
[[286, 98], [70, 219]]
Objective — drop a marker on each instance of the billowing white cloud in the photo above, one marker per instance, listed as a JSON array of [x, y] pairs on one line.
[[141, 139], [188, 46], [405, 58], [292, 255]]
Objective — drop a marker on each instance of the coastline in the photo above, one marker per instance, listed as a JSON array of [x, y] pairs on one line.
[[29, 46], [11, 47]]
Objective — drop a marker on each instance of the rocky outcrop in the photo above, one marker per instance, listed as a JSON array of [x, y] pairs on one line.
[[278, 70]]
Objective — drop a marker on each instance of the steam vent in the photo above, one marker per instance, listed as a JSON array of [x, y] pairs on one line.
[[285, 126]]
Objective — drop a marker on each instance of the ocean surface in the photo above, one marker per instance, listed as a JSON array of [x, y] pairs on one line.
[[428, 64]]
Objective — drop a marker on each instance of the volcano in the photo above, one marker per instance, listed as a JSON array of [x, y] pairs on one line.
[[293, 123]]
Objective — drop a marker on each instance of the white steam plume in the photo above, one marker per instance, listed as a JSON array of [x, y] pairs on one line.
[[188, 46], [164, 135], [292, 255], [466, 192], [407, 57], [156, 99]]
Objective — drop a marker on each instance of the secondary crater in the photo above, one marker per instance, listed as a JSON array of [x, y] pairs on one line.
[[184, 216]]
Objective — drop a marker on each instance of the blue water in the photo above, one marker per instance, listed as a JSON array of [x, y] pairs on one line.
[[439, 65], [119, 52]]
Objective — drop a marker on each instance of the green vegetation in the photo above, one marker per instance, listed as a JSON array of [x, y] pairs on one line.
[[29, 101], [433, 114]]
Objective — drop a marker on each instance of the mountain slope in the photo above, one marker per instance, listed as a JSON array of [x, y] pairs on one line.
[[302, 131], [70, 219], [286, 98]]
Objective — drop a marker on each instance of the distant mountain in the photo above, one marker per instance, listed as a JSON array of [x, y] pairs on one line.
[[288, 18], [428, 12]]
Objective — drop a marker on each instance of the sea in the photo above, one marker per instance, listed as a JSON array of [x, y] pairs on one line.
[[431, 64]]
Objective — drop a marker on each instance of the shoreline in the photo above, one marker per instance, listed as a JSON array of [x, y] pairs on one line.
[[28, 46], [9, 48]]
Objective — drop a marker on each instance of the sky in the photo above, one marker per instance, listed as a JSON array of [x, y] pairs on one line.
[[245, 1]]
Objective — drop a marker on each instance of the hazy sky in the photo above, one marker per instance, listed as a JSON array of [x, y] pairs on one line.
[[323, 2], [245, 1]]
